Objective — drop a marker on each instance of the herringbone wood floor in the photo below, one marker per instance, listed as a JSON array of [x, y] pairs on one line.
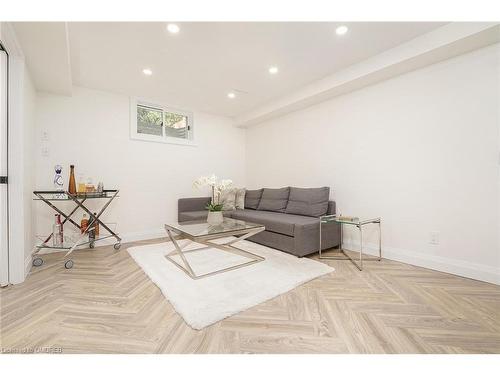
[[106, 304]]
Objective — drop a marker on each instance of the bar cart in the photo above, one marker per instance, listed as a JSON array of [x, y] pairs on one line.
[[51, 197]]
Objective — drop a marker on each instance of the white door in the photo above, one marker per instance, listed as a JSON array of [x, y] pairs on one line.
[[4, 230]]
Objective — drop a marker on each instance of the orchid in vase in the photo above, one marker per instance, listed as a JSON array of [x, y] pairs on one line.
[[217, 186]]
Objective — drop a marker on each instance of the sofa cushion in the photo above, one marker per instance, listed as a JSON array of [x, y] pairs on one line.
[[240, 198], [274, 221], [308, 201], [228, 199], [274, 199], [252, 198]]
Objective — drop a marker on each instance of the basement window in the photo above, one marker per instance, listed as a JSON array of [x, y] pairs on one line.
[[157, 123]]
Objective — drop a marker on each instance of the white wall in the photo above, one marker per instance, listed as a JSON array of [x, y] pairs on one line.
[[420, 150], [91, 131]]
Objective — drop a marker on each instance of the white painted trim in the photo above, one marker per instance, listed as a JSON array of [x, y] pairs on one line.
[[28, 262], [453, 266], [4, 200], [16, 171]]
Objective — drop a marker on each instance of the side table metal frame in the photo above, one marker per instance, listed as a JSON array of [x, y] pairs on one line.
[[358, 225]]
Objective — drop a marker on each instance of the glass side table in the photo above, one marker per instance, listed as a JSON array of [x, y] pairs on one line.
[[358, 223]]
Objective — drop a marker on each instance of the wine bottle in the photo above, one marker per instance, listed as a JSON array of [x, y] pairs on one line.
[[72, 183], [56, 233], [96, 227], [84, 223], [61, 229]]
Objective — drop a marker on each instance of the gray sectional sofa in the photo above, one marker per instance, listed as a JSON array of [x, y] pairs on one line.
[[290, 215]]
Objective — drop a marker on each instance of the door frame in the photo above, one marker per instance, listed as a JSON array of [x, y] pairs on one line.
[[18, 265], [4, 137]]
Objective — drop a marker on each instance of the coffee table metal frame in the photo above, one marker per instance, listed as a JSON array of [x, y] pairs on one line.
[[175, 234], [358, 224]]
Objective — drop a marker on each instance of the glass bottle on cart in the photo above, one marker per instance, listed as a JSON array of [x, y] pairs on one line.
[[72, 183]]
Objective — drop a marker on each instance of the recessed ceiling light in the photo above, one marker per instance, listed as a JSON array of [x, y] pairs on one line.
[[341, 30], [147, 71], [273, 70], [173, 28], [231, 95]]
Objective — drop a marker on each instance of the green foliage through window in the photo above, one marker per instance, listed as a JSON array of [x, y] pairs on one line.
[[151, 120]]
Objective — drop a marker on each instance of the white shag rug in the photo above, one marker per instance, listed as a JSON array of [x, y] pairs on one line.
[[207, 300]]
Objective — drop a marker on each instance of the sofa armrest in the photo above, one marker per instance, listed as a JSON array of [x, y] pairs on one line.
[[331, 208], [192, 204]]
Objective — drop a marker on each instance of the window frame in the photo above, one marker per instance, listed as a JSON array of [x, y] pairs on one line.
[[135, 135]]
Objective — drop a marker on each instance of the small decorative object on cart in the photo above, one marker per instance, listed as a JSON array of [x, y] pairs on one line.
[[92, 234], [58, 182], [81, 184], [72, 183], [96, 227], [84, 223], [57, 231], [214, 207], [100, 187]]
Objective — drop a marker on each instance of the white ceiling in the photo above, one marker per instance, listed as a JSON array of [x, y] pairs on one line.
[[196, 68], [45, 46]]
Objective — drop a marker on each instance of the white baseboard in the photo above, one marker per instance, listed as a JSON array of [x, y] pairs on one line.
[[28, 262], [134, 236], [454, 266]]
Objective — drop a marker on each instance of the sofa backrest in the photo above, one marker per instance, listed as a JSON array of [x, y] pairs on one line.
[[252, 198], [298, 201], [274, 199], [308, 201]]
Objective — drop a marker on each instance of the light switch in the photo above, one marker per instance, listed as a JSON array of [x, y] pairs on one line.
[[45, 135], [45, 151], [434, 238]]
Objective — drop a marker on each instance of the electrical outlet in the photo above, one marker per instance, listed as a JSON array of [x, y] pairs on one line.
[[434, 238]]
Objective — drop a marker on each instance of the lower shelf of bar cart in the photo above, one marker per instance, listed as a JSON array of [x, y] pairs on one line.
[[37, 261]]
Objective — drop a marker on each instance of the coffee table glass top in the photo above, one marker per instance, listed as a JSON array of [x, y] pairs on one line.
[[348, 220], [202, 228]]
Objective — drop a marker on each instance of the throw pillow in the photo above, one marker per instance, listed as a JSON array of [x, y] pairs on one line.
[[240, 199], [274, 199], [228, 199], [308, 201], [252, 198]]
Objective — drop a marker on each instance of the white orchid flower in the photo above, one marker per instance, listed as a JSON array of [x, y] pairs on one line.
[[212, 180], [217, 186], [224, 184]]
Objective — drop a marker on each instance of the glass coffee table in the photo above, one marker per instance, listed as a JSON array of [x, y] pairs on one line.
[[203, 233], [358, 223]]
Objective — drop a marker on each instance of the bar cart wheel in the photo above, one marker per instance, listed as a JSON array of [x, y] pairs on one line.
[[117, 245], [37, 262], [91, 245], [68, 264]]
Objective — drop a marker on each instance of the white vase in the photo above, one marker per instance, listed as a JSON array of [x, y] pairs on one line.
[[215, 217]]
